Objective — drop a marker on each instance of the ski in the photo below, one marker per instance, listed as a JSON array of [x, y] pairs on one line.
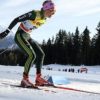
[[72, 89], [41, 88], [46, 88], [64, 88], [35, 88]]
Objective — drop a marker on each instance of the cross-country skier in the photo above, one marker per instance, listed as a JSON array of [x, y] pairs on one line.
[[29, 21]]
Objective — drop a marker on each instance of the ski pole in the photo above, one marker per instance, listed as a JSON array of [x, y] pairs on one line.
[[4, 51], [11, 47]]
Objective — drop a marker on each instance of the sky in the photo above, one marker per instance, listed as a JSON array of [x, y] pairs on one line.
[[69, 14]]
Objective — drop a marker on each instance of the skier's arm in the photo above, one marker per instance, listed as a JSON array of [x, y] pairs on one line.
[[28, 16]]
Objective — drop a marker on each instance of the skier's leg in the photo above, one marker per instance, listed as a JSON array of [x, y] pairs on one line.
[[39, 62], [25, 46], [39, 55]]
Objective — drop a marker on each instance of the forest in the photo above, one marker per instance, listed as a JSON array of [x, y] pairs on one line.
[[73, 48]]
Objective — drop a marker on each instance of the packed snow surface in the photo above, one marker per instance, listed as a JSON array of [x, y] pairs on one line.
[[90, 81]]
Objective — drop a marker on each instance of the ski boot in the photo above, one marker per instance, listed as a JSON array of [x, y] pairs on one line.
[[26, 82], [41, 81]]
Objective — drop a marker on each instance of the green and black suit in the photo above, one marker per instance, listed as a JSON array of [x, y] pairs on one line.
[[29, 21]]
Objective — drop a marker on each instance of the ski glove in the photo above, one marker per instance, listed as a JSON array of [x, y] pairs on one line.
[[4, 34]]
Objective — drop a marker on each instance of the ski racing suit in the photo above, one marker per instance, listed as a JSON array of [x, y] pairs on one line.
[[29, 21]]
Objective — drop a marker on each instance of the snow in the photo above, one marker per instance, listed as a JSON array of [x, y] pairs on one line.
[[12, 75]]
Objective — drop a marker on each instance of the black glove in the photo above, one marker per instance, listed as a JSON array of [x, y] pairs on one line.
[[4, 34]]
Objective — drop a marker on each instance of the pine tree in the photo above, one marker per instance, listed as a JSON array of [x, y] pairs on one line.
[[70, 51], [76, 47], [60, 52], [93, 51], [97, 45], [85, 49]]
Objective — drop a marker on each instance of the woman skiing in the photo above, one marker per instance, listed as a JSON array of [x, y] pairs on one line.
[[28, 22]]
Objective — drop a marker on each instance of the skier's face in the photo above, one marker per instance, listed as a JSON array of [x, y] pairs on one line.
[[49, 12]]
